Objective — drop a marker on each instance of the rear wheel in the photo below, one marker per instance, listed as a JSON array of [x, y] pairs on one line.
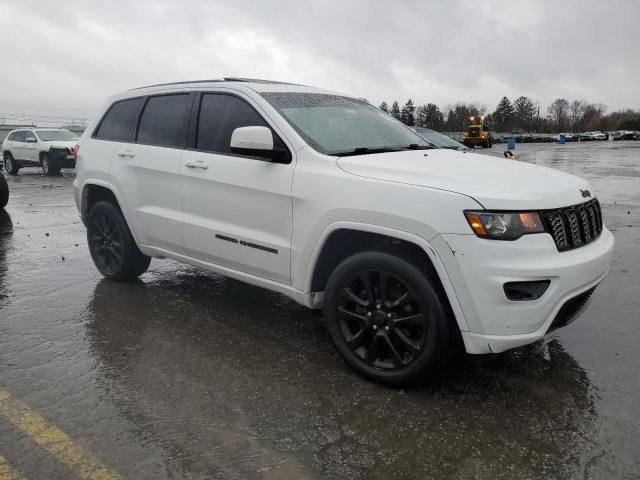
[[112, 247], [48, 168], [386, 319], [10, 164]]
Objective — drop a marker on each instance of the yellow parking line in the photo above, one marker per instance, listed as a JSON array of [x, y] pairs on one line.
[[54, 440], [8, 473]]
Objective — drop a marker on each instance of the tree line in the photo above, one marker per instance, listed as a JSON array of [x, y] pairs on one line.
[[521, 114]]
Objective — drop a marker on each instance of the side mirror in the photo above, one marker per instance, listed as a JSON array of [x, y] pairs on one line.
[[252, 141], [31, 140]]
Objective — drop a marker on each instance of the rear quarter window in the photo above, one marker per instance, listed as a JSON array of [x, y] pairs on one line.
[[119, 123]]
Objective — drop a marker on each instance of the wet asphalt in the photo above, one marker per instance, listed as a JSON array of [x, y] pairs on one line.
[[186, 374]]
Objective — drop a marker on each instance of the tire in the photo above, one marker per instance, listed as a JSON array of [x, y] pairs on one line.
[[393, 338], [112, 247], [47, 169], [4, 191], [10, 164]]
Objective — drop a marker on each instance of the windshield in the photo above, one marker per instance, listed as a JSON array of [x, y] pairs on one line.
[[438, 139], [336, 125], [51, 135]]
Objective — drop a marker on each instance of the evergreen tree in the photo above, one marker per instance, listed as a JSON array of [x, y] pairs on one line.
[[384, 107], [503, 116], [407, 114], [434, 118], [524, 110], [395, 110], [421, 116]]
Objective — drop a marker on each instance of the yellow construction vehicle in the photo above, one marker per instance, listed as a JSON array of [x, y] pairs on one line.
[[478, 133]]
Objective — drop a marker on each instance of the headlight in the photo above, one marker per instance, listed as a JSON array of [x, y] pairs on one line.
[[504, 225]]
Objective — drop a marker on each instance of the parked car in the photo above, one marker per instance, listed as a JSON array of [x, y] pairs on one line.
[[622, 135], [4, 191], [567, 136], [324, 198], [439, 140], [48, 148]]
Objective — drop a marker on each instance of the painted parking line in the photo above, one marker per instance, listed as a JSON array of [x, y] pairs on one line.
[[51, 438], [8, 473]]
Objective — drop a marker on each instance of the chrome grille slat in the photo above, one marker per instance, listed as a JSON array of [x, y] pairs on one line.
[[574, 226]]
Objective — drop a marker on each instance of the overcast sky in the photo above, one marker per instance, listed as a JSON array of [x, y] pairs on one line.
[[65, 57]]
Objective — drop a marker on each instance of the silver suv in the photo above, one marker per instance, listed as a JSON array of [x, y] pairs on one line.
[[48, 148]]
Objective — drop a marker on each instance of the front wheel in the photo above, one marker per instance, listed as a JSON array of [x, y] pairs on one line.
[[10, 164], [112, 247], [386, 318]]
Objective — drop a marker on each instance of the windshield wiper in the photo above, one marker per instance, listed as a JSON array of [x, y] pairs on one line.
[[367, 151], [415, 146]]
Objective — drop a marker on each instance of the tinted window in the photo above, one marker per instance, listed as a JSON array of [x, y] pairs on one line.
[[220, 115], [29, 135], [12, 136], [19, 136], [119, 123], [163, 120]]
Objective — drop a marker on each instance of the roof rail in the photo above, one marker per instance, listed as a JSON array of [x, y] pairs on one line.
[[224, 79], [256, 80], [178, 83]]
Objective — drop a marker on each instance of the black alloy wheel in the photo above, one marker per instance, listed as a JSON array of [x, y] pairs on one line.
[[111, 244], [381, 319], [106, 243], [385, 318]]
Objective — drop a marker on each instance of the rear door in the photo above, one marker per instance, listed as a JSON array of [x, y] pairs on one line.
[[237, 209], [147, 169]]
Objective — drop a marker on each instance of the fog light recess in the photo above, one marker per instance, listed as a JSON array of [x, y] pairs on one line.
[[526, 291]]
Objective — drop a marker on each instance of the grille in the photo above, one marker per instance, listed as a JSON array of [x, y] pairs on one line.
[[575, 226]]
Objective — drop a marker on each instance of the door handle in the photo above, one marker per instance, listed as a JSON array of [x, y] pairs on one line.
[[126, 153], [197, 164]]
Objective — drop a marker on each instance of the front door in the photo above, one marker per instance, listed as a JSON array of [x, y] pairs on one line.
[[237, 210], [31, 148]]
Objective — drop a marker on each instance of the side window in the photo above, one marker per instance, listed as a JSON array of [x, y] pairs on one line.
[[11, 136], [163, 120], [29, 136], [19, 136], [219, 116], [119, 123]]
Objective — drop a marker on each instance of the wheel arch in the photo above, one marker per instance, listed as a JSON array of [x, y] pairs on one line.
[[93, 191], [343, 239]]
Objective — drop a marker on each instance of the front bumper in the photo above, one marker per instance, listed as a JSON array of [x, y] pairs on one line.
[[479, 268]]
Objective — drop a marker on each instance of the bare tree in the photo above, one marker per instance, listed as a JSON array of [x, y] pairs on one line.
[[557, 113], [576, 110]]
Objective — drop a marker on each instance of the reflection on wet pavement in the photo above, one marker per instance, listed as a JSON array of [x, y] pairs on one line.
[[186, 374]]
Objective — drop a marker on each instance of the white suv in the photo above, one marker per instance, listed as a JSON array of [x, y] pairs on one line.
[[324, 198], [48, 148]]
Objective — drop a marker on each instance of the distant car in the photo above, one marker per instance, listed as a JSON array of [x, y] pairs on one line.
[[439, 140], [622, 135], [48, 148], [597, 135], [567, 136]]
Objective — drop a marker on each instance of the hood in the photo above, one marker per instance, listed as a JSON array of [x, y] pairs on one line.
[[494, 182]]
